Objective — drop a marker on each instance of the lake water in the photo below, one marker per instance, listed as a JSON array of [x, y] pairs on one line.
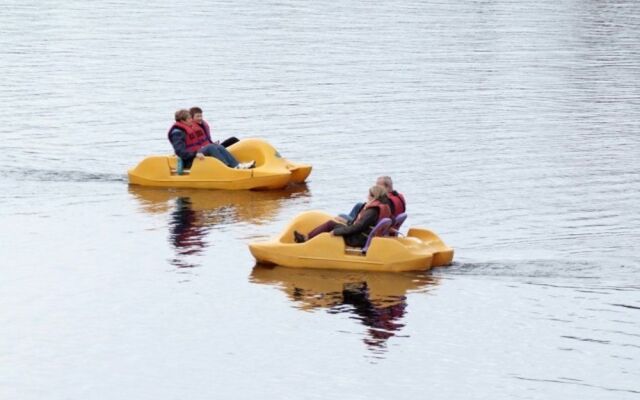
[[512, 127]]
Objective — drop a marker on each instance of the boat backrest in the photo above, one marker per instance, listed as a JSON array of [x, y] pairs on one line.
[[381, 228], [397, 223]]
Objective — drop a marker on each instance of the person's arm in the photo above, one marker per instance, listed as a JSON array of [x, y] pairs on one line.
[[207, 131], [368, 219], [177, 138]]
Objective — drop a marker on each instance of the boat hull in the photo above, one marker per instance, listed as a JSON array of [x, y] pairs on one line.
[[420, 249], [271, 171]]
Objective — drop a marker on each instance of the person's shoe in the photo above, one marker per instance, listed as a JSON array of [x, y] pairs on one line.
[[252, 164], [298, 237], [245, 165]]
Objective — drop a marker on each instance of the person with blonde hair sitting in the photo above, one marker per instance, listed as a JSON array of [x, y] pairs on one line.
[[355, 234], [396, 201]]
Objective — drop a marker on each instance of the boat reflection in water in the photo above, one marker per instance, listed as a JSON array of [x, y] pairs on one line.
[[377, 299], [193, 213]]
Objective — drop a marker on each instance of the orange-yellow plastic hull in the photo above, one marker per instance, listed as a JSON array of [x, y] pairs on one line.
[[420, 249], [271, 171]]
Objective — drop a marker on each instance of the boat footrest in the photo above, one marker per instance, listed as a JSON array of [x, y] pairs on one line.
[[355, 251]]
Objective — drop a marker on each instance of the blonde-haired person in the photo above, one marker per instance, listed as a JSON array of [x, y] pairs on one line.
[[355, 234], [189, 141], [396, 201]]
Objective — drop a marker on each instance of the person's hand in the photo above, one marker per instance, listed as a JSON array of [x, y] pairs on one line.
[[200, 156], [340, 220], [332, 233]]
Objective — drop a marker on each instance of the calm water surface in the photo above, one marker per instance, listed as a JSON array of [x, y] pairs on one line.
[[512, 127]]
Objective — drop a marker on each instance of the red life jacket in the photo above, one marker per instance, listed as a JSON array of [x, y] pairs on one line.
[[195, 137], [383, 210], [399, 204]]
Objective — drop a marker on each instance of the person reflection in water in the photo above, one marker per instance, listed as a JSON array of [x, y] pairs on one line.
[[381, 320], [186, 234], [378, 300]]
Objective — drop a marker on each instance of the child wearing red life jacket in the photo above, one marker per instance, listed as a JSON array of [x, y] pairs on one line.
[[190, 141], [196, 114]]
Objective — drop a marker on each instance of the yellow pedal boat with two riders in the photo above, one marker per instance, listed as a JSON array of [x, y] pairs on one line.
[[419, 249], [271, 170]]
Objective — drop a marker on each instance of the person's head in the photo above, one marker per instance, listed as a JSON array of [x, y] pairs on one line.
[[385, 182], [196, 114], [183, 116], [377, 192]]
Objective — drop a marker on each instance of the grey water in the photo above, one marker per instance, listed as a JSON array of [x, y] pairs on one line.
[[511, 126]]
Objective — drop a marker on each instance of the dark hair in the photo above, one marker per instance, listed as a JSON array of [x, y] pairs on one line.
[[195, 110], [182, 115]]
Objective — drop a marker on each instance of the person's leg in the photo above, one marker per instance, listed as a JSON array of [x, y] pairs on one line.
[[179, 166], [348, 218], [229, 141], [354, 211], [326, 227], [222, 154]]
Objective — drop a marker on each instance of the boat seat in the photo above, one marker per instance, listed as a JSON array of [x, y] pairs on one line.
[[381, 228], [394, 229]]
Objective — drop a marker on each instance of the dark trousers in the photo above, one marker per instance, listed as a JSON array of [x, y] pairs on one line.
[[326, 227], [228, 142]]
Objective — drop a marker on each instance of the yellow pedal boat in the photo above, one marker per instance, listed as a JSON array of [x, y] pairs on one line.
[[419, 249], [271, 171]]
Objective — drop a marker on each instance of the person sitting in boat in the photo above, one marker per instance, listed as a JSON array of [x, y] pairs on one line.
[[196, 114], [397, 202], [189, 141], [355, 234]]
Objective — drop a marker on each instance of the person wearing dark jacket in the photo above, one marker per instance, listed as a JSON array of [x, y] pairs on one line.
[[190, 141], [355, 234]]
